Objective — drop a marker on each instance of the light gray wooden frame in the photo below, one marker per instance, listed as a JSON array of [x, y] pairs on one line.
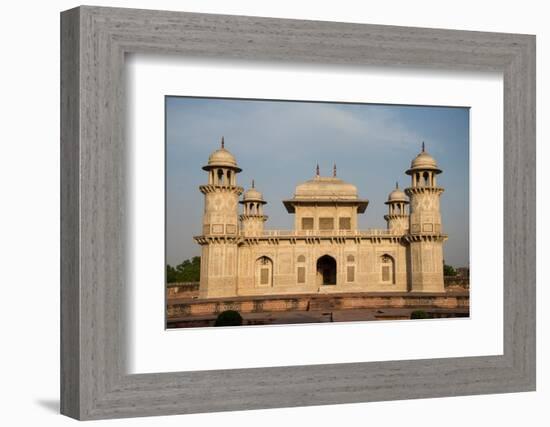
[[94, 41]]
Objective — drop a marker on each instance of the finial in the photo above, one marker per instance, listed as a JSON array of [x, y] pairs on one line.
[[334, 170], [252, 183], [223, 143], [317, 170], [423, 146], [396, 185]]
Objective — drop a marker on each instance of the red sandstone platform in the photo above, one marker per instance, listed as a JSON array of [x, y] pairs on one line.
[[306, 308]]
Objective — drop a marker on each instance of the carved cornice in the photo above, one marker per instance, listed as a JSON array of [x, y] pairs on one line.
[[211, 239], [244, 217], [312, 240], [396, 216], [270, 240], [209, 188], [291, 204], [423, 190], [404, 237], [426, 237]]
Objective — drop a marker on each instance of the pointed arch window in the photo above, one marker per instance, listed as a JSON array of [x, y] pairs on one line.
[[264, 272], [387, 269], [301, 269], [350, 268]]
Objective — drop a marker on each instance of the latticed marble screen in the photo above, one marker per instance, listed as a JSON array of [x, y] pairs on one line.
[[386, 273], [307, 223], [351, 274], [264, 276], [326, 223], [345, 223], [301, 274]]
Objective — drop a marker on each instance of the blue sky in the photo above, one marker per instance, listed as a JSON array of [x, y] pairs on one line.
[[279, 143]]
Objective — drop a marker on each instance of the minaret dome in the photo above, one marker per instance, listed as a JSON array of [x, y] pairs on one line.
[[222, 158], [423, 170], [253, 195], [253, 218], [397, 217], [423, 162], [222, 168], [397, 196]]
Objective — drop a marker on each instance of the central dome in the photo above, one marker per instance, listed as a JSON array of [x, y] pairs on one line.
[[323, 190], [328, 188]]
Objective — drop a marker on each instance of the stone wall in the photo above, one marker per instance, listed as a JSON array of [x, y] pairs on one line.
[[205, 307], [182, 290], [358, 267], [457, 281]]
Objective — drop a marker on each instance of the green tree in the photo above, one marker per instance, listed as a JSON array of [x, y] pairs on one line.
[[171, 274], [188, 271], [449, 270]]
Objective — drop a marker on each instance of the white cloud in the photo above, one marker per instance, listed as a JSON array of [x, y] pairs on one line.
[[288, 123]]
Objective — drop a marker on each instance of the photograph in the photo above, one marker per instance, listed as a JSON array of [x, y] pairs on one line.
[[293, 212], [277, 214]]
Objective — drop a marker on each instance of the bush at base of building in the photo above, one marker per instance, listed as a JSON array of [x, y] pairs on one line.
[[419, 314]]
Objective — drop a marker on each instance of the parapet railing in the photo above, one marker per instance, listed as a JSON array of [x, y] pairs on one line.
[[315, 233]]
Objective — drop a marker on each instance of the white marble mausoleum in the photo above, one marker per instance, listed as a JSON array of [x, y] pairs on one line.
[[326, 252]]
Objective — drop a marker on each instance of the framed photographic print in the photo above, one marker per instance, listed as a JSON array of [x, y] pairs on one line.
[[323, 265], [347, 210]]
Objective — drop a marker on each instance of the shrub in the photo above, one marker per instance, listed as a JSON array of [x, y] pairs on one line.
[[449, 270], [229, 318], [419, 314]]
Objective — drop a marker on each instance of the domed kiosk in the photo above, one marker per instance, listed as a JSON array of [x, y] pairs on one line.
[[397, 217], [325, 204], [253, 218]]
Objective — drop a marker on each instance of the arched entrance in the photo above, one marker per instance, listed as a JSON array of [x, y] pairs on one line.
[[326, 270]]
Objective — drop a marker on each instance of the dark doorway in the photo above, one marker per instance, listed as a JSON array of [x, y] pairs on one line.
[[326, 270]]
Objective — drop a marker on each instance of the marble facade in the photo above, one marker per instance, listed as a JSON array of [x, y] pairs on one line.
[[326, 252]]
